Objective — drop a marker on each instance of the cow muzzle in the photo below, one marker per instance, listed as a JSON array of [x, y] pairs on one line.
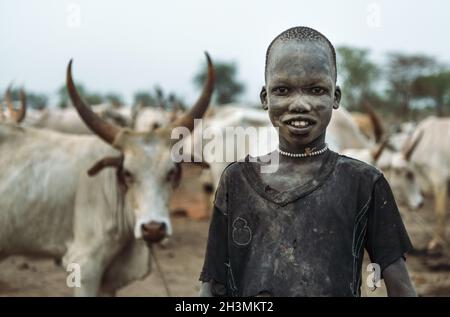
[[153, 232]]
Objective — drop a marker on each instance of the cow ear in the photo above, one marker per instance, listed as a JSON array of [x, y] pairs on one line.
[[105, 162]]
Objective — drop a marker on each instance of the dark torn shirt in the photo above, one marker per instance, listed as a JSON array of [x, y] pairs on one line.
[[306, 241]]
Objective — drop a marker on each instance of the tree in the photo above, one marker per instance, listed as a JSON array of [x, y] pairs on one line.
[[114, 99], [435, 86], [402, 71], [90, 98], [227, 87], [158, 99], [358, 76], [34, 100]]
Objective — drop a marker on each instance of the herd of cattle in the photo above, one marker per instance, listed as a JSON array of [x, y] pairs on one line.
[[92, 186]]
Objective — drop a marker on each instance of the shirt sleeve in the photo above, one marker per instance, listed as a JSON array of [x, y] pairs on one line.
[[214, 267], [387, 239]]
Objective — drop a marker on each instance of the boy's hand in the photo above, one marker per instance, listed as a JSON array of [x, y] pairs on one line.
[[396, 278], [205, 290]]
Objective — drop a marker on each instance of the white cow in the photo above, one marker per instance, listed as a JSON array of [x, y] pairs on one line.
[[147, 118], [68, 120], [50, 206], [428, 161]]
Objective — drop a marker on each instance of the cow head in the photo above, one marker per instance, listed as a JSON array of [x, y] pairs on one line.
[[15, 116], [145, 168], [402, 173]]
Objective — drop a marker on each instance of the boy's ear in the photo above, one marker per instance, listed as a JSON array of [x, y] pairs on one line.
[[337, 97], [263, 97]]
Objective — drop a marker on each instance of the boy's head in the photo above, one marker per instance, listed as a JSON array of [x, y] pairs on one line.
[[300, 90]]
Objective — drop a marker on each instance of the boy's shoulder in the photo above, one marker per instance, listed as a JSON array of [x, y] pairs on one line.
[[357, 168], [348, 165], [233, 169]]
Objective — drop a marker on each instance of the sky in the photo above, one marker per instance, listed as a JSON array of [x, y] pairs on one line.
[[126, 46]]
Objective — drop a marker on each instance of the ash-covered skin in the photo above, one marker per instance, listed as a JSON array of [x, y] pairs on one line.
[[300, 85]]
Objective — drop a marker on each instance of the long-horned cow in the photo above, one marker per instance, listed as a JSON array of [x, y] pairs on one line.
[[50, 206], [13, 115], [426, 161]]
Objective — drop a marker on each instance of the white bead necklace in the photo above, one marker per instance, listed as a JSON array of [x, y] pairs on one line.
[[306, 154]]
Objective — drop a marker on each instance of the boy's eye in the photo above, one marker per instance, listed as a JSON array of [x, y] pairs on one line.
[[317, 91], [280, 90]]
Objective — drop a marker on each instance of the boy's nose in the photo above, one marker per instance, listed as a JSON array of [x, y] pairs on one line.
[[300, 106]]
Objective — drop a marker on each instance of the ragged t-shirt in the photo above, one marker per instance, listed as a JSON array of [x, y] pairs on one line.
[[305, 241]]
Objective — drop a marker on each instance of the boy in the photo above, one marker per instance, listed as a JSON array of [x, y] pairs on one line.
[[302, 230]]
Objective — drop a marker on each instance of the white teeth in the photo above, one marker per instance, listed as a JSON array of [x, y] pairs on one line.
[[301, 123]]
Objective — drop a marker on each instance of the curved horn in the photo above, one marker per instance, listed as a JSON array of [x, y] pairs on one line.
[[105, 162], [199, 109], [379, 150], [378, 130], [8, 101], [17, 116], [103, 129], [409, 149], [20, 114], [2, 115]]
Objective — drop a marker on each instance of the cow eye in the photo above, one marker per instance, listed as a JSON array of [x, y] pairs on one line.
[[173, 175], [128, 176]]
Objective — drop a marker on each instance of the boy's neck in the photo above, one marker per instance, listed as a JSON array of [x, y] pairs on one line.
[[315, 145]]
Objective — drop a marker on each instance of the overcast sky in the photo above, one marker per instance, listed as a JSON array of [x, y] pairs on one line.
[[125, 46]]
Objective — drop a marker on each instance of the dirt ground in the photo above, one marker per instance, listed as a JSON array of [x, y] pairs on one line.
[[181, 258]]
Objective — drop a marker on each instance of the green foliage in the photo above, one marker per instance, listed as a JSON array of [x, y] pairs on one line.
[[358, 74], [114, 99], [402, 70], [227, 87], [158, 99], [436, 87], [34, 100], [89, 98]]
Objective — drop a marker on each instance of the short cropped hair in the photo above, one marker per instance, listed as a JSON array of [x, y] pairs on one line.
[[303, 33]]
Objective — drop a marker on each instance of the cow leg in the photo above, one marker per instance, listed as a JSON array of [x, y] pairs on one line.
[[107, 293], [93, 264], [91, 276], [440, 198]]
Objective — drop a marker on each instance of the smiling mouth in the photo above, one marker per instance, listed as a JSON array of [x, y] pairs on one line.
[[300, 123]]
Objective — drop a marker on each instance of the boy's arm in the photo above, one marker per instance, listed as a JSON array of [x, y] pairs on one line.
[[205, 290], [212, 289], [388, 241], [396, 278]]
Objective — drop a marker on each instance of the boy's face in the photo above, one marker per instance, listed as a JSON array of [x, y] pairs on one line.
[[300, 91]]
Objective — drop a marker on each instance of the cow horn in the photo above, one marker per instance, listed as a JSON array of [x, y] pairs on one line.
[[110, 161], [379, 150], [17, 116], [199, 109], [378, 130], [411, 146], [102, 128], [2, 115]]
